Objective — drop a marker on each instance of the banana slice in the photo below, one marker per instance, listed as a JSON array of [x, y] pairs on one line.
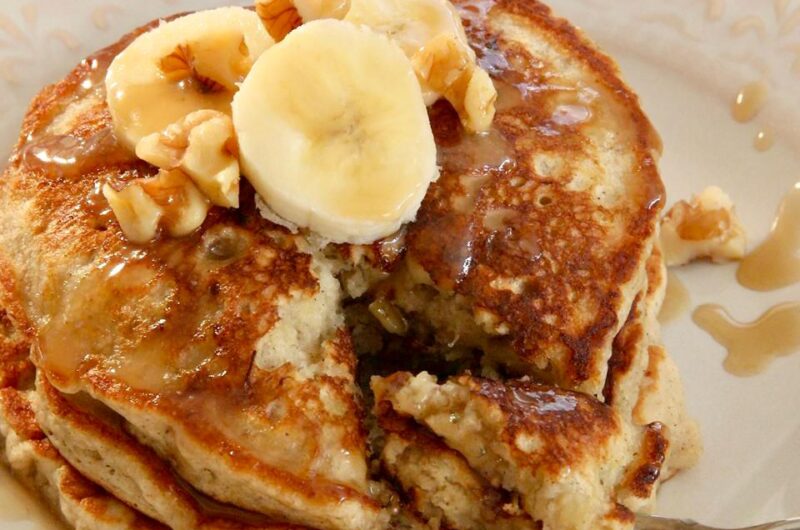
[[410, 23], [282, 16], [188, 64], [432, 36], [334, 134]]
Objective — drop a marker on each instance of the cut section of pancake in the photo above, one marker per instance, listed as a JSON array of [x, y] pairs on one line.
[[532, 244], [661, 399], [643, 383], [575, 463], [439, 484], [223, 351]]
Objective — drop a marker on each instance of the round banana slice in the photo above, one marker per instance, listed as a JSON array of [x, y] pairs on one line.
[[410, 23], [432, 36], [334, 134], [191, 63]]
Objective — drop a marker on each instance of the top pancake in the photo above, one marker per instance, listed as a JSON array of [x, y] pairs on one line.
[[225, 350], [544, 224]]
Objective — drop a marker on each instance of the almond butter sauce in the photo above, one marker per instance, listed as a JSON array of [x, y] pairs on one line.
[[776, 262], [752, 346], [676, 299]]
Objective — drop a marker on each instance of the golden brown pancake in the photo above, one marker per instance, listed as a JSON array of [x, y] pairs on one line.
[[196, 342], [532, 243], [575, 463], [222, 358], [438, 483]]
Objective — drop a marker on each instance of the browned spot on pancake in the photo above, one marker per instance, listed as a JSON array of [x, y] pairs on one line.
[[560, 240], [624, 350], [16, 370], [19, 414], [571, 425], [646, 470]]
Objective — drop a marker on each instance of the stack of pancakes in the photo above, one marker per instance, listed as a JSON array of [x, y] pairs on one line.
[[211, 381]]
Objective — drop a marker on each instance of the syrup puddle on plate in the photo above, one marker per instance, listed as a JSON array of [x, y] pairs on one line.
[[776, 262], [752, 346], [676, 299]]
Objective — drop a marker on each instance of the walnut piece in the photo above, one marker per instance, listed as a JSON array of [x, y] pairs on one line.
[[169, 199], [446, 66], [203, 146], [280, 17], [705, 227]]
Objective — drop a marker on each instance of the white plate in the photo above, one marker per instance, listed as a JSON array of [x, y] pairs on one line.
[[687, 59]]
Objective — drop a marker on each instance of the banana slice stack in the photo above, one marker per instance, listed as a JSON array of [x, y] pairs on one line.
[[329, 124]]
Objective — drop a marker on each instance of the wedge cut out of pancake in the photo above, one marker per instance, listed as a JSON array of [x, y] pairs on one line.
[[540, 228], [438, 482], [573, 461]]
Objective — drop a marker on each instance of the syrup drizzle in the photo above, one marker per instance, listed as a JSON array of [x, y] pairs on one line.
[[752, 346], [749, 101], [764, 140], [776, 262], [676, 299]]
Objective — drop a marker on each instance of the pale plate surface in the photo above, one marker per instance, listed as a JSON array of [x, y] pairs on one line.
[[687, 59]]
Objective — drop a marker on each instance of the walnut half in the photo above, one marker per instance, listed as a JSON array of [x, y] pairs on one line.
[[705, 227], [203, 146], [170, 199]]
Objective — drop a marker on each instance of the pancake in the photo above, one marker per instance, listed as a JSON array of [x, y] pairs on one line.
[[532, 244], [643, 382], [219, 367], [575, 463], [438, 483], [223, 351]]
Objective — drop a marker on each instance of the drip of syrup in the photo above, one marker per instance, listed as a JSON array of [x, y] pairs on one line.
[[676, 300], [776, 262], [752, 346], [764, 140], [749, 101]]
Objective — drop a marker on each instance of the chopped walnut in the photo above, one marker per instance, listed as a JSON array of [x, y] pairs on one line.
[[202, 145], [445, 66], [212, 65], [280, 17], [705, 227], [169, 199]]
